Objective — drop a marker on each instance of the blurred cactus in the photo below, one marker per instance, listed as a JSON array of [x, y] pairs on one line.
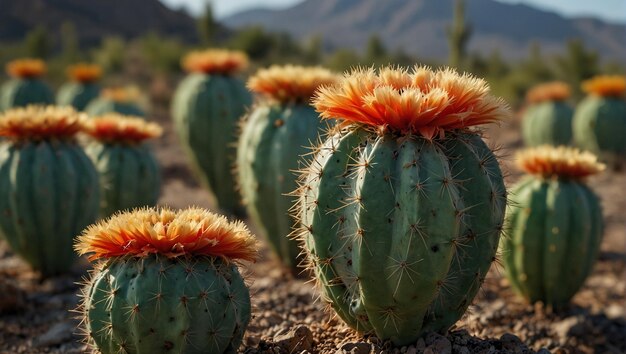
[[458, 36]]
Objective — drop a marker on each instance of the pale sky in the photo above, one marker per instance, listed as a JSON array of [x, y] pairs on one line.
[[611, 10]]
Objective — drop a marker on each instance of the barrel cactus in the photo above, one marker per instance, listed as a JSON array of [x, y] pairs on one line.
[[82, 88], [600, 118], [554, 225], [402, 206], [277, 131], [48, 185], [166, 282], [25, 86], [207, 105], [548, 117], [129, 172], [122, 100]]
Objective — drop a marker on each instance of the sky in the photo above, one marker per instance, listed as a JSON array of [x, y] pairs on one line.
[[609, 10]]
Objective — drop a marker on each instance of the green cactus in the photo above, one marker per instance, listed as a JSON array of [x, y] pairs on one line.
[[77, 94], [103, 105], [25, 87], [551, 221], [548, 122], [206, 108], [600, 126]]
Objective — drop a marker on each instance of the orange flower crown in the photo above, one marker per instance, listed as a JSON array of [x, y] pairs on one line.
[[40, 123], [117, 128], [26, 68], [422, 101], [189, 232], [84, 72], [605, 86], [549, 161], [290, 82], [121, 94], [215, 61], [550, 91]]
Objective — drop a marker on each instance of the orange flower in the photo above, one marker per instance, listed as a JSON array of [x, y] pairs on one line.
[[40, 122], [549, 161], [26, 68], [423, 101], [121, 94], [114, 127], [605, 85], [550, 91], [215, 61], [84, 72], [290, 82], [189, 232]]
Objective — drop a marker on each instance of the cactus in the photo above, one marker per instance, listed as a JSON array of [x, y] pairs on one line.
[[122, 100], [274, 135], [207, 106], [82, 88], [600, 118], [548, 118], [129, 172], [402, 206], [167, 282], [554, 225], [48, 186], [25, 87]]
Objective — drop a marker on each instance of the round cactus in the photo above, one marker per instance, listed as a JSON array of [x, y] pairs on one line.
[[207, 105], [554, 225], [600, 118], [82, 88], [548, 118], [167, 282], [25, 87], [122, 100], [277, 131], [402, 206], [129, 172], [48, 186]]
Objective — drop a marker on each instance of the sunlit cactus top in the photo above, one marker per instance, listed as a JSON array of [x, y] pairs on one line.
[[84, 72], [422, 101], [189, 232], [605, 85], [117, 128], [564, 162], [290, 82], [40, 123], [26, 68], [121, 94], [549, 91], [215, 61]]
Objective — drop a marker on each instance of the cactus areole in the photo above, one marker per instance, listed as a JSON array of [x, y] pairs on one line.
[[402, 206], [25, 87], [548, 118], [554, 225], [166, 282], [278, 130], [82, 88], [206, 108]]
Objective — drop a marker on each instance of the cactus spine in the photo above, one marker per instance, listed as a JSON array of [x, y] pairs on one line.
[[82, 88], [122, 100], [548, 118], [25, 86], [206, 108], [129, 172], [167, 282], [401, 207], [274, 136], [554, 224], [48, 186]]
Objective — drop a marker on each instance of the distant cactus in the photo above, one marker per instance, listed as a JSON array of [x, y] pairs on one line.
[[48, 186], [25, 86], [167, 282], [458, 35], [277, 131], [129, 172], [207, 105], [122, 100], [82, 88], [402, 206], [548, 118], [554, 225]]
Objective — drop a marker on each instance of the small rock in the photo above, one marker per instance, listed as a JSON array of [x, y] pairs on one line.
[[420, 345], [11, 297], [357, 348], [297, 339], [57, 334], [441, 345], [411, 350], [511, 342], [571, 326], [543, 351]]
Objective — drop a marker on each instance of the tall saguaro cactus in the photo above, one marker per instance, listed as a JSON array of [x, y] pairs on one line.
[[458, 35]]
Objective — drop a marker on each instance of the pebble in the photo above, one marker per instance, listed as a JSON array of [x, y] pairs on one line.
[[11, 297], [295, 340], [357, 348], [57, 334]]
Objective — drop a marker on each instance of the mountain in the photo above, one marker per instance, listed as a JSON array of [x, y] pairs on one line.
[[419, 26], [93, 19]]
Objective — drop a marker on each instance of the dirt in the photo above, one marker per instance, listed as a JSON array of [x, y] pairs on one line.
[[36, 316]]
